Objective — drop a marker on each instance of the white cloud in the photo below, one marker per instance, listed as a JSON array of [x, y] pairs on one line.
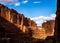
[[10, 2], [17, 4], [36, 2], [7, 1], [25, 1], [39, 20]]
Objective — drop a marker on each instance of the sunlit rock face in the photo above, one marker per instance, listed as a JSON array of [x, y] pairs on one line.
[[49, 27], [15, 25], [40, 34], [17, 19], [57, 23]]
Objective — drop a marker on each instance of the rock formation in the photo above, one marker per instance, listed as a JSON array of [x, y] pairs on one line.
[[40, 34], [49, 27], [17, 19], [57, 23], [14, 25], [18, 28]]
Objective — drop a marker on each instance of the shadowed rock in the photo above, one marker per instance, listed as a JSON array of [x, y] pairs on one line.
[[57, 23]]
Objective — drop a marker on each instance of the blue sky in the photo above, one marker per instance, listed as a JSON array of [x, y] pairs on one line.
[[32, 8]]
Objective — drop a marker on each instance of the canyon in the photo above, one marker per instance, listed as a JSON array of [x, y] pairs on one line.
[[17, 27], [47, 29]]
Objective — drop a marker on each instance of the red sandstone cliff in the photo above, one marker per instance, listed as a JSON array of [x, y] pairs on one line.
[[49, 27], [40, 34], [16, 26], [17, 19]]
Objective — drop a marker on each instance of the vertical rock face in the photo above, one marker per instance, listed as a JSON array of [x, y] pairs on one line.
[[15, 25], [49, 27], [57, 23], [17, 19]]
